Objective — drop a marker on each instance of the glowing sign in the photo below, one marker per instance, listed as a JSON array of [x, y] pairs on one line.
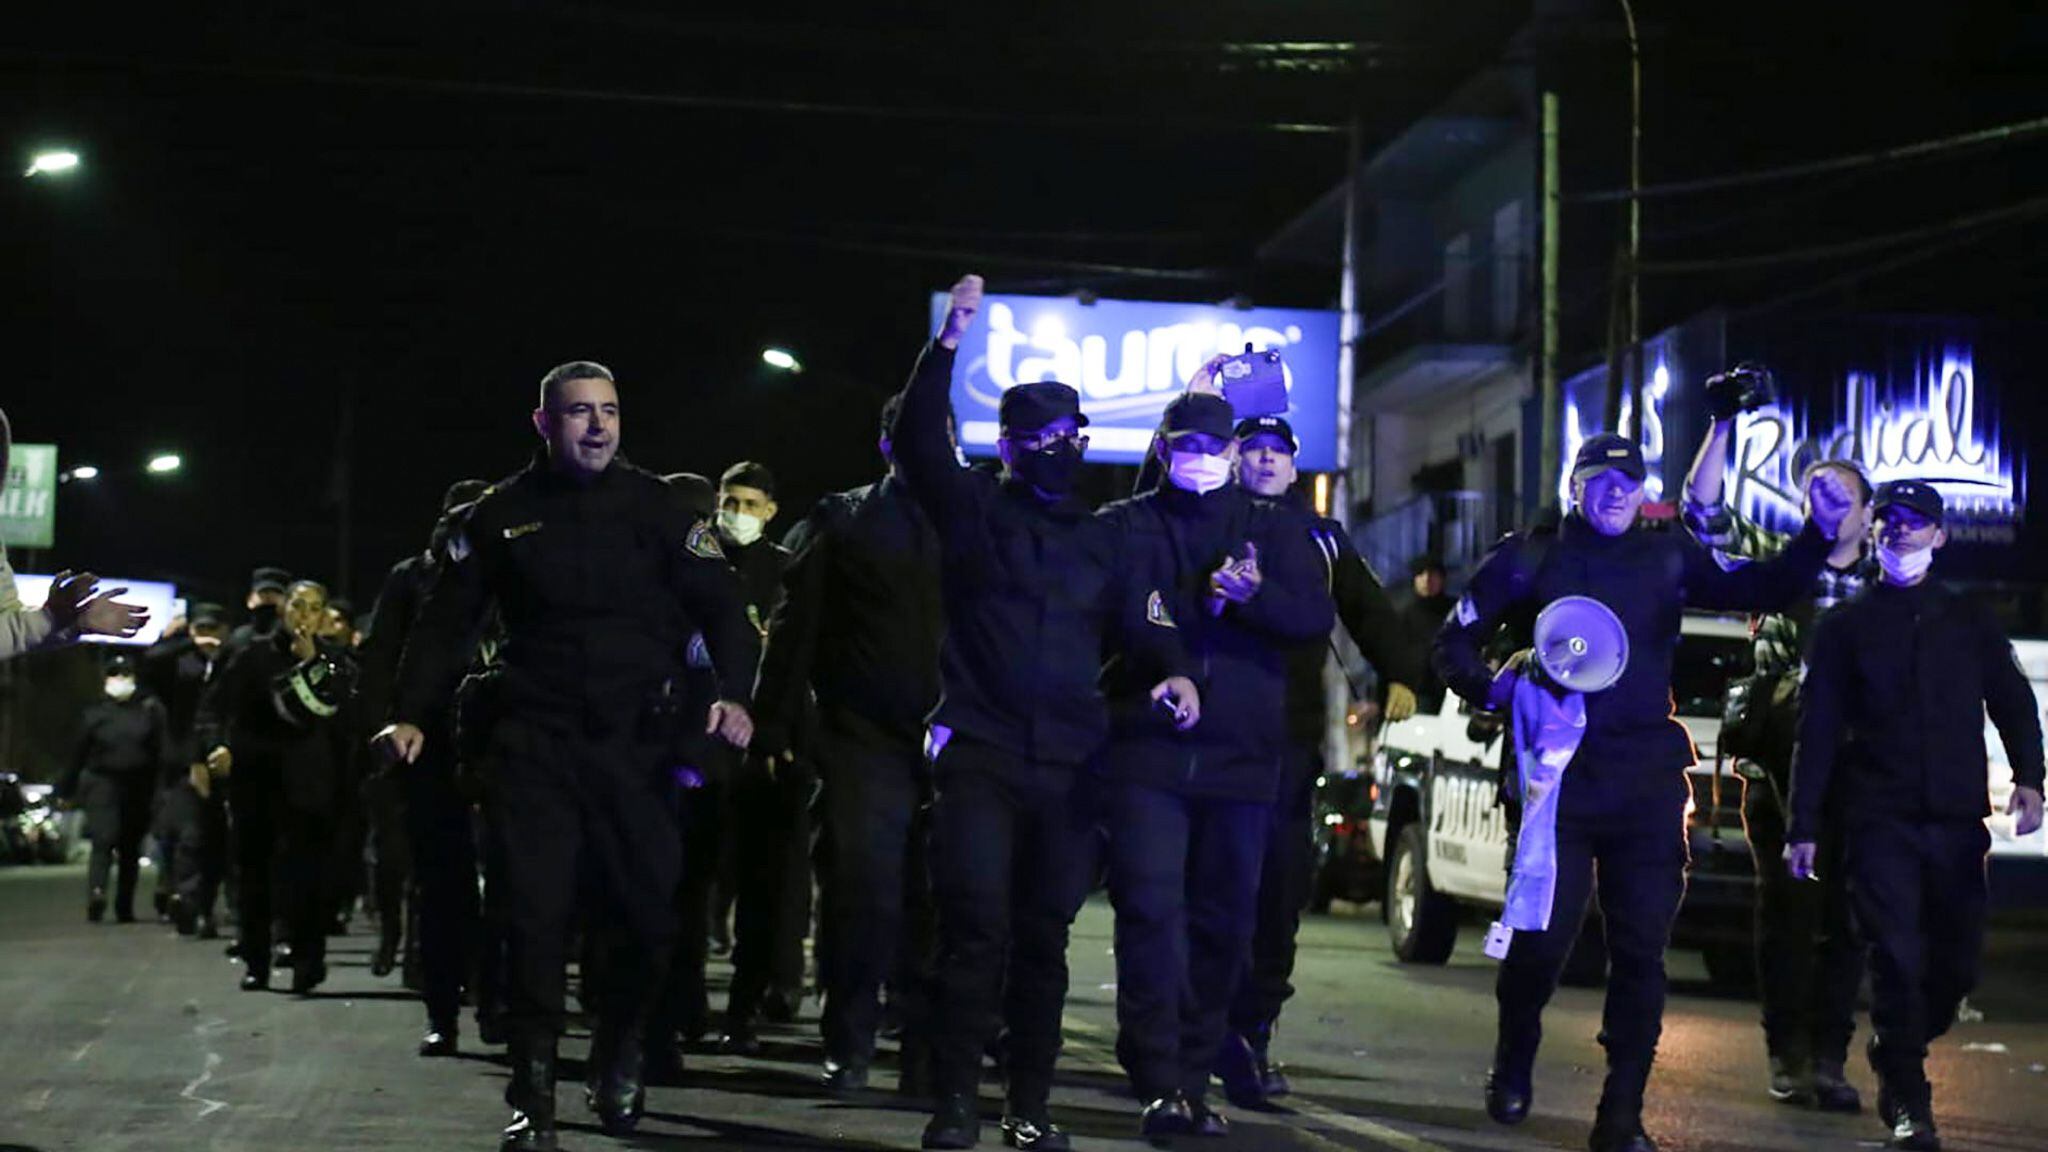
[[161, 600], [1652, 438], [1934, 430], [1129, 358]]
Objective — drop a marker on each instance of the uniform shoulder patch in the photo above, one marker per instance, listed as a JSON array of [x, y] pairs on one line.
[[1466, 612], [1156, 611], [702, 542], [518, 530]]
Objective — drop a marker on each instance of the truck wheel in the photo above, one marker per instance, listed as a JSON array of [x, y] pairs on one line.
[[1422, 922]]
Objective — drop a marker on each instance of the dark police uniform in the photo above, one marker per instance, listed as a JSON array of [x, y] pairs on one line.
[[769, 841], [1289, 868], [191, 829], [426, 842], [1030, 588], [859, 628], [1891, 746], [122, 748], [1189, 813], [282, 789], [599, 585], [1622, 802]]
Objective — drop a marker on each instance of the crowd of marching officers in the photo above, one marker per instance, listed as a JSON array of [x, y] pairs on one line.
[[611, 718]]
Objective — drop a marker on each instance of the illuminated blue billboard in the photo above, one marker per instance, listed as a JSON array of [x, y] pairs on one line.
[[1128, 358]]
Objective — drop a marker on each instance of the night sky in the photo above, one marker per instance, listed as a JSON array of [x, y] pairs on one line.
[[299, 240]]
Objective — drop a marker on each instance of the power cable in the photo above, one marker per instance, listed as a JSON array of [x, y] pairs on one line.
[[2010, 213]]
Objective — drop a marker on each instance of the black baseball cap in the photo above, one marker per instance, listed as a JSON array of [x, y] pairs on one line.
[[269, 580], [1197, 412], [1427, 562], [206, 613], [1028, 407], [1918, 495], [1268, 426], [1609, 450]]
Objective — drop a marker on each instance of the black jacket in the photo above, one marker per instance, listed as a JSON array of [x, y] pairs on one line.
[[1032, 592], [1418, 618], [1891, 715], [1648, 578], [240, 710], [859, 623], [1178, 539], [178, 673], [1397, 655], [599, 586], [126, 738]]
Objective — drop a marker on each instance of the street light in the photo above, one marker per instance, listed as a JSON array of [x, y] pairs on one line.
[[51, 163], [165, 463], [781, 360], [83, 472]]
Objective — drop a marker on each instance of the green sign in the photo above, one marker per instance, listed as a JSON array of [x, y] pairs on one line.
[[28, 506]]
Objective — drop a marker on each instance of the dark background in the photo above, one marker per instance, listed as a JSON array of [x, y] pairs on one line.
[[327, 257]]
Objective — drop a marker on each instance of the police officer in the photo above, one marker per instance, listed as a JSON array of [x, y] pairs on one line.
[[1622, 802], [1266, 447], [1032, 583], [1422, 609], [270, 717], [1891, 745], [769, 833], [599, 581], [191, 820], [1809, 963], [265, 603], [421, 820], [1189, 813], [859, 628], [123, 744]]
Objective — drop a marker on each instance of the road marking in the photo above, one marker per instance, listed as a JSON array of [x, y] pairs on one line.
[[1098, 1039], [191, 1091], [40, 1100]]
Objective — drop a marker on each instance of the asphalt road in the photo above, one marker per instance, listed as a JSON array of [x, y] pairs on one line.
[[125, 1037]]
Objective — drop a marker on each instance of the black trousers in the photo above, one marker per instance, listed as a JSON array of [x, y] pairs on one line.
[[873, 891], [566, 808], [685, 1008], [191, 832], [279, 843], [1808, 960], [1184, 878], [117, 817], [441, 839], [388, 852], [1284, 881], [1920, 898], [1013, 854], [771, 846], [1636, 841]]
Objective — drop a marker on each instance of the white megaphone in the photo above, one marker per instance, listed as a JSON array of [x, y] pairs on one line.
[[1580, 644]]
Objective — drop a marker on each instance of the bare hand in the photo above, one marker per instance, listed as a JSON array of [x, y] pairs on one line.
[[1203, 382], [960, 310], [220, 761], [1799, 859], [730, 723], [202, 781], [2025, 808], [400, 741], [67, 596], [1827, 502], [1237, 581], [1179, 694], [104, 616], [1400, 703]]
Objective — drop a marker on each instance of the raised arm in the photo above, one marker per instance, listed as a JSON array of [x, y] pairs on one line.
[[918, 439]]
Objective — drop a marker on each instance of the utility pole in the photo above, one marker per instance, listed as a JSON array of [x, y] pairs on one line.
[[1553, 200]]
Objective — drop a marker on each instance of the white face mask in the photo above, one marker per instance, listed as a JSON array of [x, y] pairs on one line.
[[1904, 567], [120, 687], [743, 527], [1198, 471]]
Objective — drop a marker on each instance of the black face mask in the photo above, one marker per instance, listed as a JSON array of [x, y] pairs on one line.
[[1051, 469]]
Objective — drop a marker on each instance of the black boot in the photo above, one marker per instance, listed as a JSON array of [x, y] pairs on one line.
[[954, 1125], [1915, 1130], [162, 900], [96, 905], [616, 1087], [1271, 1079], [184, 916], [1618, 1124], [1832, 1091], [1510, 1085], [531, 1094], [440, 1040], [385, 958], [1237, 1067], [1166, 1117]]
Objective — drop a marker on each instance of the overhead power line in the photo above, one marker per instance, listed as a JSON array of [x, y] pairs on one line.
[[2014, 133], [2008, 214]]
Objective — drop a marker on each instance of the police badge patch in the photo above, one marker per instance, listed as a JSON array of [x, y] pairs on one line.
[[1156, 613], [703, 543], [1466, 612]]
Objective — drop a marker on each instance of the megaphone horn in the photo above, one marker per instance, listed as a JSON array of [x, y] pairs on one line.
[[1580, 644]]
